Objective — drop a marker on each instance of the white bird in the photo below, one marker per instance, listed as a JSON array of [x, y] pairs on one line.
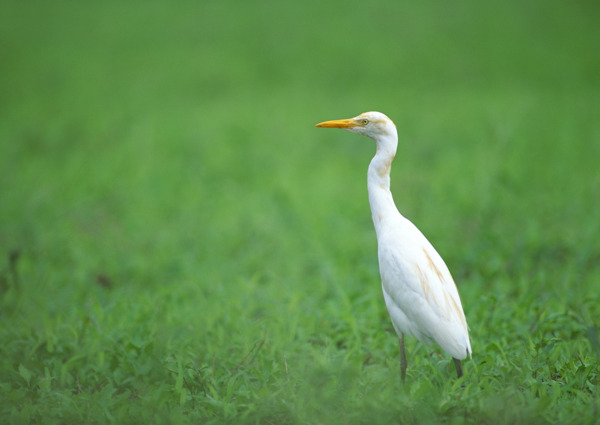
[[419, 292]]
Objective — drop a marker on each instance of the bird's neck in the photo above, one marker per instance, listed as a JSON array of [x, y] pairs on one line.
[[382, 203]]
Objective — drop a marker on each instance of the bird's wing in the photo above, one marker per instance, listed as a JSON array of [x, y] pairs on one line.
[[420, 293]]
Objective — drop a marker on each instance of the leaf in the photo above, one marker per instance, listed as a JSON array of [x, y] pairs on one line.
[[25, 373], [46, 382], [179, 379], [182, 397]]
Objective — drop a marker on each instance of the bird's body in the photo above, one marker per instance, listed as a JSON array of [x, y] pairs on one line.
[[418, 289]]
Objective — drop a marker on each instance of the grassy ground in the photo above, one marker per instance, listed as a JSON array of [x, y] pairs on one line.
[[179, 245]]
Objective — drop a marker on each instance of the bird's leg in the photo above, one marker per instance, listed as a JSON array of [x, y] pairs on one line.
[[403, 362], [458, 365]]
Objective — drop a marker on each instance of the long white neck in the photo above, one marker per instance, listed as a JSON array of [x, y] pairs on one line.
[[382, 204]]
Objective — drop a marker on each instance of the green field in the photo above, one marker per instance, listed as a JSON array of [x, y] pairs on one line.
[[179, 244]]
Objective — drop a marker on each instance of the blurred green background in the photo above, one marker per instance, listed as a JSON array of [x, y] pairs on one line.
[[179, 242]]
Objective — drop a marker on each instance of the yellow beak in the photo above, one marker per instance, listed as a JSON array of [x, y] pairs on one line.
[[347, 123]]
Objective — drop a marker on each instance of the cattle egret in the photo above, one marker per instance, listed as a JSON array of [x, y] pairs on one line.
[[419, 291]]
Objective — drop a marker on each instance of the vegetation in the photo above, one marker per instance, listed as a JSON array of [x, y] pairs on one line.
[[178, 244]]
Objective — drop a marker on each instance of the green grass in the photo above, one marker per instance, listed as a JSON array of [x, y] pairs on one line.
[[178, 244]]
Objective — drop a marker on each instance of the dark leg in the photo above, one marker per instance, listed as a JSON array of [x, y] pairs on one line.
[[458, 365], [403, 362]]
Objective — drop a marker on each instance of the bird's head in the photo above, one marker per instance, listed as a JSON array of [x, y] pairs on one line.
[[372, 124]]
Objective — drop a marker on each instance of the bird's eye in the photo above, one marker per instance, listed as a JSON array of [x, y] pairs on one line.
[[365, 121]]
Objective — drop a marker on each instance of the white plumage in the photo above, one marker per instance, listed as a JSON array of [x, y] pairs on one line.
[[418, 289]]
